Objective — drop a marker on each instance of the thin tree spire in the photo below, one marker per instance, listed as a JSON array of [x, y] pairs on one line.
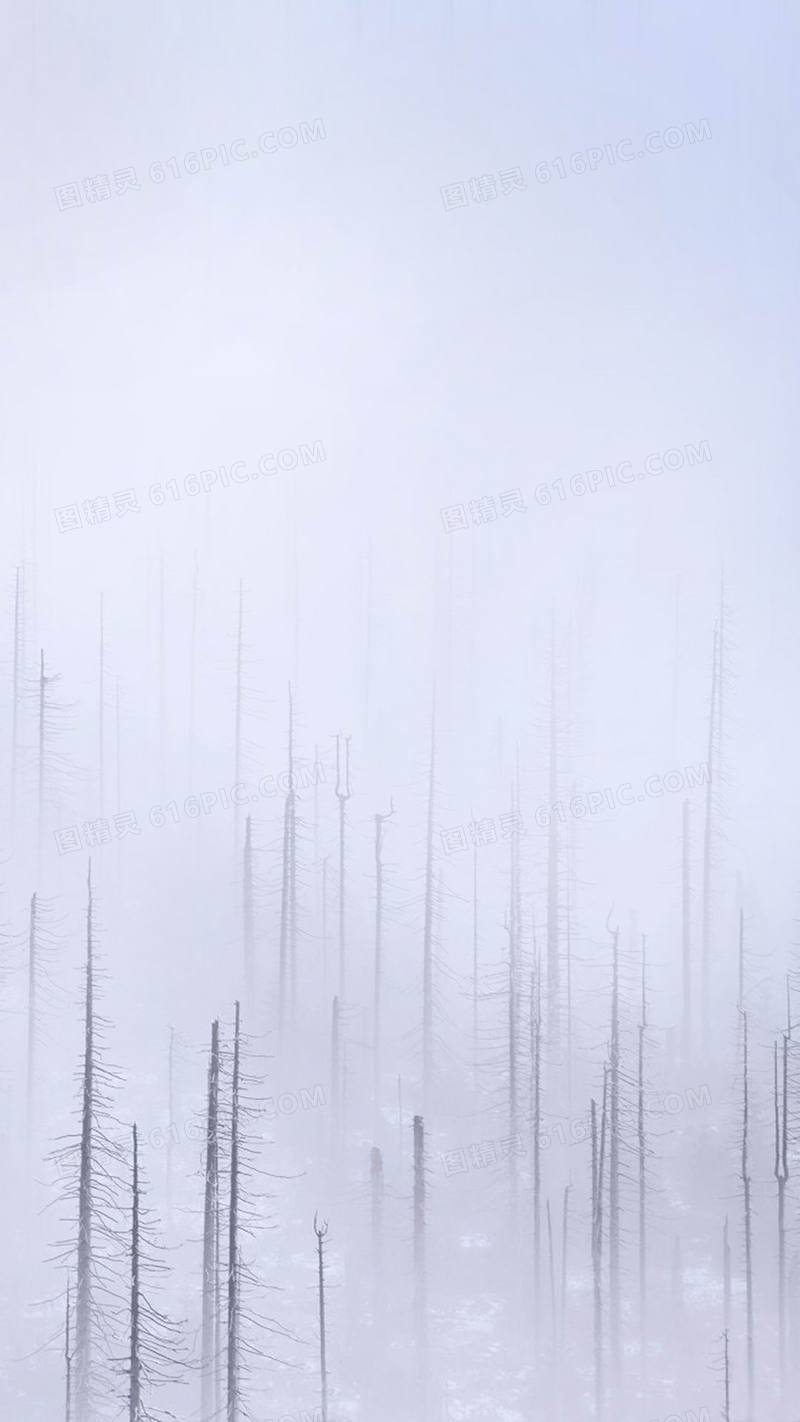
[[553, 927], [343, 793], [232, 1397], [135, 1405], [321, 1230], [427, 943], [377, 991]]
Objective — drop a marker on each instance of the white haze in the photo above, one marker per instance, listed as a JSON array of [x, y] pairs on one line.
[[329, 300]]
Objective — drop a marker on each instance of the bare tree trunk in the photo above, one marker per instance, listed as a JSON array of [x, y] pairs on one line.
[[378, 964], [67, 1362], [30, 1090], [209, 1344], [84, 1284], [135, 1406], [726, 1410], [321, 1231], [16, 694], [170, 1121], [233, 1399], [597, 1255], [287, 985], [420, 1269], [615, 1343], [427, 948], [740, 994], [568, 908], [343, 793], [192, 676], [325, 928], [237, 725], [41, 770], [642, 1147], [475, 967], [400, 1137], [705, 943], [248, 935], [336, 1089], [536, 1128], [514, 917], [686, 946], [726, 1276], [553, 959], [162, 681], [512, 927], [564, 1258], [101, 714], [748, 1226], [376, 1195], [552, 1266], [118, 773], [781, 1177], [283, 950]]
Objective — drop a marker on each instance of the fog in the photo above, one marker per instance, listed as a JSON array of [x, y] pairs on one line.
[[398, 942]]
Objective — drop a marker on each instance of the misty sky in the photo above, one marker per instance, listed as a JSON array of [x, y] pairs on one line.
[[341, 303]]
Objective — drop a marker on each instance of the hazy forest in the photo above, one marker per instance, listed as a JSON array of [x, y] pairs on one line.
[[399, 942]]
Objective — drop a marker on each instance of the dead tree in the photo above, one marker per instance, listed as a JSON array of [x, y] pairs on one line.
[[232, 1395], [748, 1224], [343, 793], [536, 1130], [192, 674], [380, 820], [84, 1281], [420, 1266], [68, 1359], [427, 940], [568, 908], [614, 1319], [101, 713], [740, 991], [287, 948], [686, 946], [598, 1171], [781, 1170], [475, 966], [552, 1267], [237, 725], [16, 694], [90, 1161], [210, 1342], [50, 762], [33, 976], [248, 932], [40, 784], [553, 946], [564, 1261], [162, 679], [642, 1152], [336, 1088], [170, 1121], [135, 1407], [726, 1277], [320, 1231], [708, 835], [726, 1408], [155, 1347], [513, 928], [376, 1198]]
